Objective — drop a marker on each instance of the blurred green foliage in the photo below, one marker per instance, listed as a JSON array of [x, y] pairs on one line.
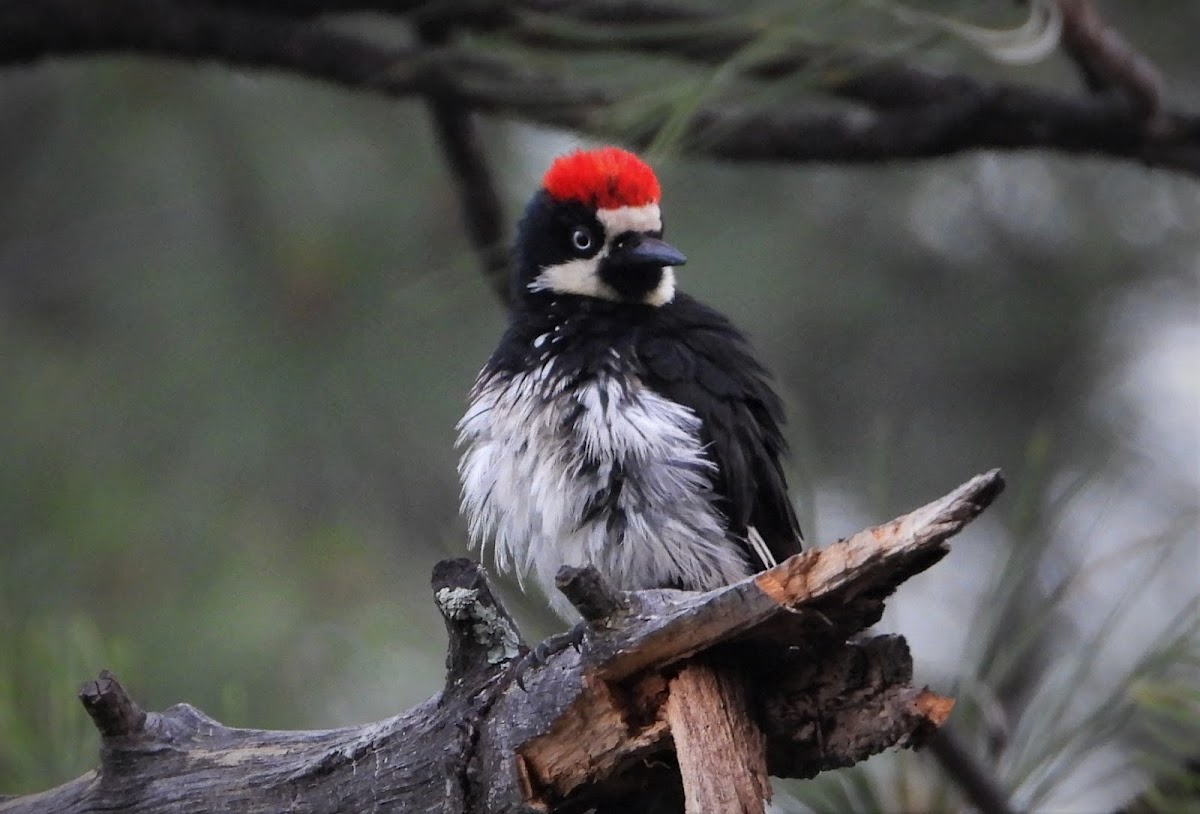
[[238, 318], [47, 741]]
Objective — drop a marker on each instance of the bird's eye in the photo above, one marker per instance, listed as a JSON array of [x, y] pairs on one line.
[[581, 239]]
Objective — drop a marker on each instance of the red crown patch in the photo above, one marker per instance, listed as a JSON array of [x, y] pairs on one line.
[[606, 178]]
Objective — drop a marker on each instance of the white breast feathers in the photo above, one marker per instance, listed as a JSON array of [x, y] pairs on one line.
[[607, 473]]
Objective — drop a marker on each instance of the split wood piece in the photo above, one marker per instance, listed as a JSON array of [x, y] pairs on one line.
[[820, 594], [721, 751]]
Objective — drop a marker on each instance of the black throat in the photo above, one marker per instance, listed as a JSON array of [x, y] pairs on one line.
[[631, 283], [582, 336]]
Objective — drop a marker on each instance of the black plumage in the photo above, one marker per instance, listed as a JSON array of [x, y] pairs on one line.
[[693, 355]]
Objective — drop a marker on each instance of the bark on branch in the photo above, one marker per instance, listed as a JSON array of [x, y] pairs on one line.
[[577, 728]]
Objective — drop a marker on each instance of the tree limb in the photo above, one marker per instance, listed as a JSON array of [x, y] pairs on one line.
[[895, 111], [577, 730]]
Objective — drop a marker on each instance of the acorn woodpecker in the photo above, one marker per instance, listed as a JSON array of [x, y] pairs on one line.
[[620, 423]]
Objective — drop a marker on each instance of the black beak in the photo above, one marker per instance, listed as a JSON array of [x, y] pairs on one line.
[[647, 251]]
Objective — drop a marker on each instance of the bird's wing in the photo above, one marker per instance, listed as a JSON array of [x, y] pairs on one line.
[[695, 357]]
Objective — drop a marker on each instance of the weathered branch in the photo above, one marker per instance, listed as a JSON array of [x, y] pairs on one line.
[[587, 728], [113, 712], [897, 111]]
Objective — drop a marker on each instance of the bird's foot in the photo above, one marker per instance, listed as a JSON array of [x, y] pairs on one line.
[[537, 658]]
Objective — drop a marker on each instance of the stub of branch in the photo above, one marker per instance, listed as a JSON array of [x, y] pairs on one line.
[[112, 710], [594, 598], [594, 727], [482, 634]]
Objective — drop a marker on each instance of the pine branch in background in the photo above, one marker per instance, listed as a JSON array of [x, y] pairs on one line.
[[899, 111], [458, 136], [1169, 729], [976, 782], [1106, 60]]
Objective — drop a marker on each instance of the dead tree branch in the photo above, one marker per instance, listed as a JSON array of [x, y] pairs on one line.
[[579, 729]]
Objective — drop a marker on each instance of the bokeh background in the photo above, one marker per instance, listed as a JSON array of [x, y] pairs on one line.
[[239, 317]]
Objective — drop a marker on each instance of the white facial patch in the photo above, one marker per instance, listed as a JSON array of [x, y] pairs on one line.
[[582, 275], [664, 292], [623, 219]]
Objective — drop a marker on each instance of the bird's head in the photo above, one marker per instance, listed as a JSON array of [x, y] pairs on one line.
[[594, 229]]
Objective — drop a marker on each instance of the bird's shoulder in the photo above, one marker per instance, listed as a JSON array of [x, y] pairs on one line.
[[695, 356], [695, 353]]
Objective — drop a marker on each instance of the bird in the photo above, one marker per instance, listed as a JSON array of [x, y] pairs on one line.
[[620, 423]]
